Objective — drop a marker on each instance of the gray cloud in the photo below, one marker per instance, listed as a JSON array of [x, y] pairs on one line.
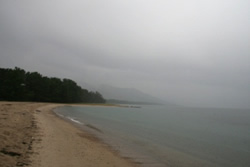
[[189, 52]]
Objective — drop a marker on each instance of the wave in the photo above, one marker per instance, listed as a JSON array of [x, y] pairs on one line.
[[74, 120]]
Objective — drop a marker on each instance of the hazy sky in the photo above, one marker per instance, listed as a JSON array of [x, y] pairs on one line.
[[191, 52]]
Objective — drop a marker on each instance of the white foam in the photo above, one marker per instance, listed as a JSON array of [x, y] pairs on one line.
[[74, 120]]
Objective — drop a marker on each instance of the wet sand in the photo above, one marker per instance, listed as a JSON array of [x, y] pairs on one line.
[[32, 135]]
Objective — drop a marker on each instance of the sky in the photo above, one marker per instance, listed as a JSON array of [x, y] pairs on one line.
[[189, 52]]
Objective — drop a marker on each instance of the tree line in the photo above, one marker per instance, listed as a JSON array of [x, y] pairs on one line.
[[18, 85]]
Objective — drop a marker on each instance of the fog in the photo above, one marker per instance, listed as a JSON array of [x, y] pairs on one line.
[[194, 53]]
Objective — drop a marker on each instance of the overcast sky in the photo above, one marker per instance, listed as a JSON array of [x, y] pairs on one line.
[[191, 52]]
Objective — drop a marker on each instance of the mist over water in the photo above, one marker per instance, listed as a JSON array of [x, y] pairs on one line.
[[190, 53], [170, 136]]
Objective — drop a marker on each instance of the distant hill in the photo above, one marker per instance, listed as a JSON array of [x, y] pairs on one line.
[[127, 95]]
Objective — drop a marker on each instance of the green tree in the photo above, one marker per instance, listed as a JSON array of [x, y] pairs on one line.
[[18, 85]]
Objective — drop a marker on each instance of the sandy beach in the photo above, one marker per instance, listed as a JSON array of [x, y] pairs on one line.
[[32, 135]]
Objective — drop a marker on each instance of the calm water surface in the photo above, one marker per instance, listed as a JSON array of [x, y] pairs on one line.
[[167, 136]]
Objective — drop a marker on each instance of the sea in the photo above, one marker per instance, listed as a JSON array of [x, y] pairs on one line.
[[159, 135]]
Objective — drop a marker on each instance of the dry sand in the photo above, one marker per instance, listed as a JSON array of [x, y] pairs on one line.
[[32, 135]]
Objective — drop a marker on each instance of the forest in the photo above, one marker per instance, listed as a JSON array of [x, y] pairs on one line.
[[18, 85]]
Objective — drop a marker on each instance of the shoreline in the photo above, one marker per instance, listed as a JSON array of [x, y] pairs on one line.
[[52, 140]]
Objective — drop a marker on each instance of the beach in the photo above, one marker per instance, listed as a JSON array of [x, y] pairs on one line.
[[32, 135]]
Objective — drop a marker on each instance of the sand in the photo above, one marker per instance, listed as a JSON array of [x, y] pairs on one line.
[[32, 135]]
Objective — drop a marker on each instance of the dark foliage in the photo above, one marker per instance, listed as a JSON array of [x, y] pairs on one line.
[[19, 85]]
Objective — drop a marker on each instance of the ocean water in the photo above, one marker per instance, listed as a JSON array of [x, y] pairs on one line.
[[170, 136]]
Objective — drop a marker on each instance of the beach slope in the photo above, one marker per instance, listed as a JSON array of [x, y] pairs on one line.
[[32, 135]]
